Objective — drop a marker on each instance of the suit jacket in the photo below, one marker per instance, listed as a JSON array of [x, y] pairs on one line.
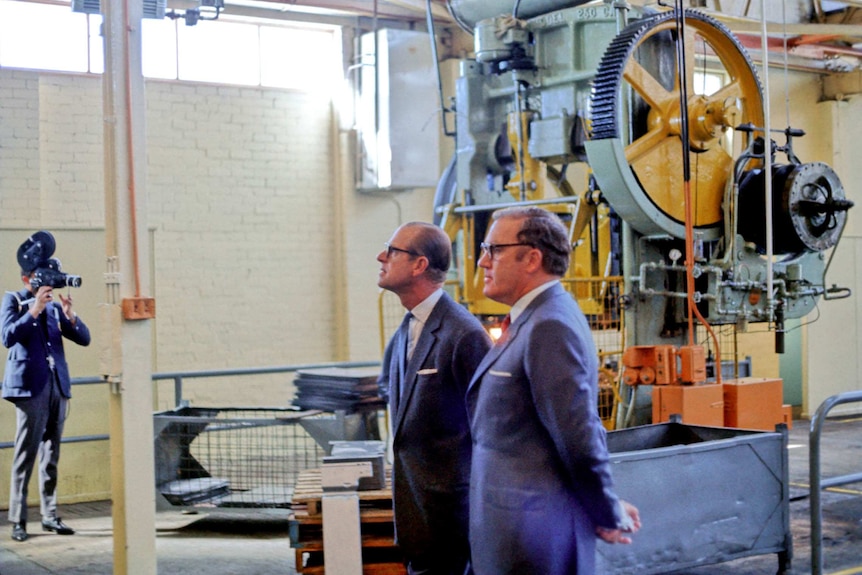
[[431, 433], [28, 368], [540, 480]]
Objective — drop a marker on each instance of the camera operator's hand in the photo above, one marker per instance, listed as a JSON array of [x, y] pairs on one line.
[[66, 302], [43, 295]]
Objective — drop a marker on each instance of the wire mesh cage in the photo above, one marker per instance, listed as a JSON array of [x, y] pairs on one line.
[[242, 457], [599, 299]]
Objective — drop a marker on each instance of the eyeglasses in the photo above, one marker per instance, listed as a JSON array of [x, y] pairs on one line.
[[493, 250], [390, 249]]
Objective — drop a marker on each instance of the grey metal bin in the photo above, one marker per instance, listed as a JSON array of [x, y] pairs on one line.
[[706, 495]]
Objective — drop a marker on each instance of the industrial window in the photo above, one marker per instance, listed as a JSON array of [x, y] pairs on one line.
[[42, 36], [52, 37], [708, 83], [219, 52]]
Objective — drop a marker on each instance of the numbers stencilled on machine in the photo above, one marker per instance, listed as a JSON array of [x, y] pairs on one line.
[[595, 13]]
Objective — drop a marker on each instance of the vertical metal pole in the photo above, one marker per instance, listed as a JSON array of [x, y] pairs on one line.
[[178, 391], [767, 161], [127, 357], [815, 479], [816, 427]]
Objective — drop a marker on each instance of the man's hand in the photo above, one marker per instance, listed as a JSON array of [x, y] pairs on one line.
[[621, 535], [43, 295], [66, 302]]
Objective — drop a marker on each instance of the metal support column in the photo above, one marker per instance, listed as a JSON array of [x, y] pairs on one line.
[[127, 356]]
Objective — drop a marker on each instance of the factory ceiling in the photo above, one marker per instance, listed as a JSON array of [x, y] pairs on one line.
[[816, 35]]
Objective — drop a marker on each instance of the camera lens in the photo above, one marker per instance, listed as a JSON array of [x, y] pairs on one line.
[[73, 281]]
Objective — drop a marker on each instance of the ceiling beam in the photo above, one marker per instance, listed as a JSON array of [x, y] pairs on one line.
[[394, 9]]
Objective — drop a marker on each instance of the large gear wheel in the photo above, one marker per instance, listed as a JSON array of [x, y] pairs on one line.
[[636, 148]]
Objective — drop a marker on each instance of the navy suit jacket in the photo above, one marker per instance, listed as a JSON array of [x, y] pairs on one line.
[[541, 480], [27, 366], [431, 433]]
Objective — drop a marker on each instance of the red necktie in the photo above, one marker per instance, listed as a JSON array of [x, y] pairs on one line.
[[505, 325]]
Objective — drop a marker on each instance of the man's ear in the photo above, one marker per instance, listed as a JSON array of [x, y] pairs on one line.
[[420, 265], [534, 260]]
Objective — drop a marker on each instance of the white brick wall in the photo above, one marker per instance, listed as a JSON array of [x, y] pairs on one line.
[[240, 185], [19, 150], [256, 241], [241, 198], [71, 168]]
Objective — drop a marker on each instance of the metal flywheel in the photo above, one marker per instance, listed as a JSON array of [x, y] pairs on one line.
[[636, 148]]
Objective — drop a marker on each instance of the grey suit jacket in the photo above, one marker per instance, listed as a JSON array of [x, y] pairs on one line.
[[540, 480], [431, 432]]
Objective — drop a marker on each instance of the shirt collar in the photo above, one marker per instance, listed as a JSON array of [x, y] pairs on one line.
[[423, 310], [528, 298]]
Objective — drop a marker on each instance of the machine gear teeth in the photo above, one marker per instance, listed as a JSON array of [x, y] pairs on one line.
[[605, 101]]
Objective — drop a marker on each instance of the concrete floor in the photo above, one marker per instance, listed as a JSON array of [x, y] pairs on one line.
[[252, 543], [235, 543]]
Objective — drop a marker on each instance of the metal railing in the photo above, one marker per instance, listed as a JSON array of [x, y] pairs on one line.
[[816, 481], [179, 376]]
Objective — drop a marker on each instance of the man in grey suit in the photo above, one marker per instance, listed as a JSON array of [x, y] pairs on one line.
[[426, 368], [541, 488]]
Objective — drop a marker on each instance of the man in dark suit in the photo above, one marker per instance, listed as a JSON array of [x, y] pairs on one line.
[[426, 368], [37, 381], [541, 488]]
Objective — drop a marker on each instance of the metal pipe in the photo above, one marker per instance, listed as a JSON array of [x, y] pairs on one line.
[[433, 34], [815, 481], [492, 207], [519, 130], [178, 384], [767, 159], [469, 12]]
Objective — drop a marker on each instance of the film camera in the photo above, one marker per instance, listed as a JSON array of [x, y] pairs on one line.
[[50, 273], [34, 257]]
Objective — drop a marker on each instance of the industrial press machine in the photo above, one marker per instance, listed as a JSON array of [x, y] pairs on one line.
[[645, 131]]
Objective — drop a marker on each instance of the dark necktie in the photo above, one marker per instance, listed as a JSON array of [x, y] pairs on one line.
[[402, 341]]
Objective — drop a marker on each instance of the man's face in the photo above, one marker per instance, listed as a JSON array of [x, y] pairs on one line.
[[397, 261], [505, 280]]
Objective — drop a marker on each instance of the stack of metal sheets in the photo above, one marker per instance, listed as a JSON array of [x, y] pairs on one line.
[[338, 389]]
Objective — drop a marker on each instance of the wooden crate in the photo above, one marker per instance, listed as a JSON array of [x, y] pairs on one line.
[[380, 554]]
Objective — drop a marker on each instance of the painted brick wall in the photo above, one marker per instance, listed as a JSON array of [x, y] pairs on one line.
[[240, 191], [71, 168], [19, 150]]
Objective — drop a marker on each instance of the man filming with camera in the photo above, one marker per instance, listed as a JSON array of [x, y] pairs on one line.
[[37, 379]]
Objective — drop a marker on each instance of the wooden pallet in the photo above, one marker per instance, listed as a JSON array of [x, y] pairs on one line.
[[380, 554], [308, 494]]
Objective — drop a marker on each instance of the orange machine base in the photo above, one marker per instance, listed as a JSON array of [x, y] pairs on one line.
[[697, 404], [754, 403]]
